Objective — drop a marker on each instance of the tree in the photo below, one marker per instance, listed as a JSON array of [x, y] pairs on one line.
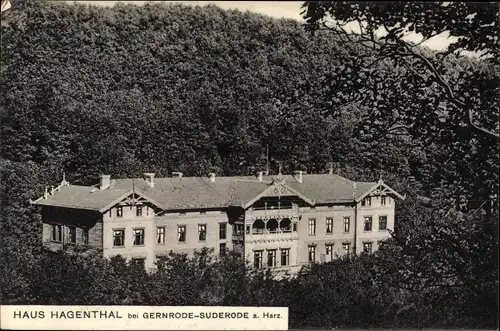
[[445, 261], [384, 28]]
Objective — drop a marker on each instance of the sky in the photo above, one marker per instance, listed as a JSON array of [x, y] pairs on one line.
[[277, 9]]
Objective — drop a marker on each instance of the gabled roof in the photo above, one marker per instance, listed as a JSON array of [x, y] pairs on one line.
[[127, 194], [279, 188], [380, 188], [202, 193], [81, 197]]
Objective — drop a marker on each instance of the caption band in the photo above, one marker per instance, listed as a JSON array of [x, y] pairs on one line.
[[142, 318]]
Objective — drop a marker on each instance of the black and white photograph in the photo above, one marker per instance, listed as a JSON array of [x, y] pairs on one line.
[[248, 165]]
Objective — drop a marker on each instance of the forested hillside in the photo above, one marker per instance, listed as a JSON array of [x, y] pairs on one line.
[[162, 88]]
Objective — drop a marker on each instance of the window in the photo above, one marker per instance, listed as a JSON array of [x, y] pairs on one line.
[[160, 235], [139, 261], [368, 223], [118, 238], [312, 226], [346, 247], [367, 248], [202, 232], [222, 231], [222, 249], [72, 234], [138, 237], [85, 236], [294, 226], [257, 259], [329, 251], [138, 211], [248, 229], [382, 200], [111, 212], [382, 223], [161, 259], [181, 233], [285, 256], [329, 225], [238, 229], [366, 202], [119, 211], [56, 232], [312, 253], [271, 258], [347, 224]]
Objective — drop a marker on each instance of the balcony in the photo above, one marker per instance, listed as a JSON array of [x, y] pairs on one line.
[[263, 234], [273, 211]]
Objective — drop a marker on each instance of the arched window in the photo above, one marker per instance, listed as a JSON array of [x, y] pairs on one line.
[[286, 225], [272, 225], [258, 226]]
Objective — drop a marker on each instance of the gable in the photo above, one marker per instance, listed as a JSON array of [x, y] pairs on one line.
[[131, 198], [277, 188], [381, 189]]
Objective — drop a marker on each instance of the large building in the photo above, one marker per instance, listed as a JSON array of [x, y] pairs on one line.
[[282, 221]]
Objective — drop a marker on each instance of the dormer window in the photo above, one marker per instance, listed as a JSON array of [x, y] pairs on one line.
[[382, 201], [119, 211], [138, 211]]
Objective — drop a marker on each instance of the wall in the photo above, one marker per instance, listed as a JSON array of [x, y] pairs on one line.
[[337, 238], [151, 249], [128, 222], [270, 241], [375, 210], [191, 220], [299, 241], [67, 217]]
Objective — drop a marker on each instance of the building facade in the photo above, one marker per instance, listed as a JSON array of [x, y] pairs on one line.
[[282, 222]]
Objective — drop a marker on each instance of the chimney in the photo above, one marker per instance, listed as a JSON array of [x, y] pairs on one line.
[[52, 190], [212, 177], [330, 171], [298, 175], [150, 178], [46, 194], [177, 174], [259, 176], [105, 182], [354, 190]]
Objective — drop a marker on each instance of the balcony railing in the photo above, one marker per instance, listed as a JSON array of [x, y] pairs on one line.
[[272, 208], [267, 231], [256, 234], [276, 213]]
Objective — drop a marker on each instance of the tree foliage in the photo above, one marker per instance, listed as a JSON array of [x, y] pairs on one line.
[[162, 88], [386, 30]]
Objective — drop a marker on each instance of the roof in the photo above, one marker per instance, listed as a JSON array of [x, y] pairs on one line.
[[81, 197], [201, 192]]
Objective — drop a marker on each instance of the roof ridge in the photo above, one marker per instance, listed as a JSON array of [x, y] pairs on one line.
[[346, 180], [252, 181]]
